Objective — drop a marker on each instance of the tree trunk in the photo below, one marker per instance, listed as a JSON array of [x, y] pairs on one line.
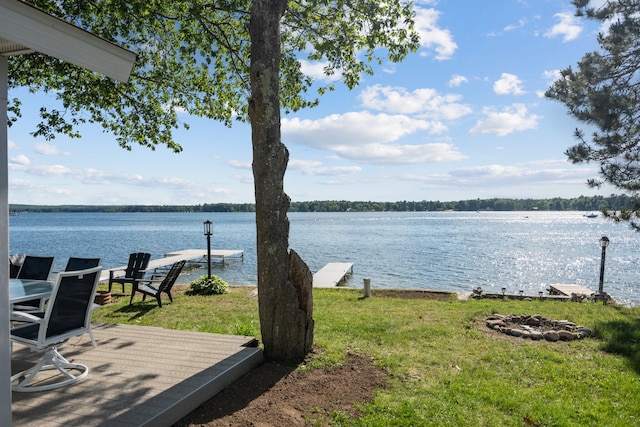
[[284, 305]]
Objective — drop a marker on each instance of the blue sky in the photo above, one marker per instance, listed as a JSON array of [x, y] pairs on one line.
[[462, 118]]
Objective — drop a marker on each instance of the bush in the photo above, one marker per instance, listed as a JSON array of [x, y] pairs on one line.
[[208, 286]]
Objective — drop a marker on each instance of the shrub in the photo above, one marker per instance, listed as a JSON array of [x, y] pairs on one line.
[[208, 286]]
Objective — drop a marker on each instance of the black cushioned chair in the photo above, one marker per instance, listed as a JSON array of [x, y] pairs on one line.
[[134, 271], [74, 263], [34, 268], [68, 314], [158, 284], [15, 262]]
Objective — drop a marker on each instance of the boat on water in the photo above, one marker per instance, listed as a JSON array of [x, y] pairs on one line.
[[591, 215]]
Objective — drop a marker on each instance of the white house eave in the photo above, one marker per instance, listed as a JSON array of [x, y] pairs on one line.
[[24, 28]]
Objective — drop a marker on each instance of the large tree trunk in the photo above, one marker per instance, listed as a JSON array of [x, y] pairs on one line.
[[284, 304]]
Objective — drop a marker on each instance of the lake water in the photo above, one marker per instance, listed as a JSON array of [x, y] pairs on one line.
[[456, 251]]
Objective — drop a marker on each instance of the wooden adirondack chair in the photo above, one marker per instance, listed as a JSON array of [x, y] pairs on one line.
[[134, 271]]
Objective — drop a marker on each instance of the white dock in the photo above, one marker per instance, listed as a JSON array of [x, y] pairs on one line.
[[217, 255], [332, 274], [196, 255], [568, 290]]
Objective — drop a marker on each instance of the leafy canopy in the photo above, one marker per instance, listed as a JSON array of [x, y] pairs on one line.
[[193, 56], [604, 93]]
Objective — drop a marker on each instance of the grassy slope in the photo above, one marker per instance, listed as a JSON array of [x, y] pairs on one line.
[[447, 368]]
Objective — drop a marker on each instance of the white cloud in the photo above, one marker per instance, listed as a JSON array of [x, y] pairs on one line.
[[50, 170], [427, 103], [11, 144], [521, 23], [315, 70], [244, 179], [392, 154], [508, 84], [519, 175], [46, 149], [511, 119], [457, 80], [503, 176], [368, 138], [354, 128], [24, 184], [239, 164], [433, 37], [551, 75], [567, 28], [314, 167], [20, 160]]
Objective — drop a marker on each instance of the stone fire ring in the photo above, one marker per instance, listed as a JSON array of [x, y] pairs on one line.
[[537, 327]]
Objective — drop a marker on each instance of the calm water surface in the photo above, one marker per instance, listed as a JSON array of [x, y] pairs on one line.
[[431, 250]]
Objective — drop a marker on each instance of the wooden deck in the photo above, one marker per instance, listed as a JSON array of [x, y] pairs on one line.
[[332, 274], [568, 290], [139, 376]]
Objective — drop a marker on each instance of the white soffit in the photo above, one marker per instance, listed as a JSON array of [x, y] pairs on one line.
[[24, 29]]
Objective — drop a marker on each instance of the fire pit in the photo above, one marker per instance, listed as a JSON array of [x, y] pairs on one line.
[[536, 327]]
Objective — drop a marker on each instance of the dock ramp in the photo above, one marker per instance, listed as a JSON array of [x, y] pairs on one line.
[[332, 274], [568, 290]]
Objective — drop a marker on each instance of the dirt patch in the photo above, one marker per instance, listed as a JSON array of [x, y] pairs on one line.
[[278, 395], [413, 294]]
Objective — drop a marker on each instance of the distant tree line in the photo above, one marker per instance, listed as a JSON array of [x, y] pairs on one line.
[[582, 203], [207, 207]]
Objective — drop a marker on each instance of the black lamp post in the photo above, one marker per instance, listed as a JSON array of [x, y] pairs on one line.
[[207, 232], [604, 242]]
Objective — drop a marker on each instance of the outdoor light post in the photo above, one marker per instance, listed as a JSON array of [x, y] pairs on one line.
[[207, 232], [604, 242]]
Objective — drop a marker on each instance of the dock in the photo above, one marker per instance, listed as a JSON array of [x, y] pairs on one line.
[[332, 274], [220, 256], [568, 290]]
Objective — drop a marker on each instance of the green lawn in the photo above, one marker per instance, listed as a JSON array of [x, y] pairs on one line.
[[447, 368]]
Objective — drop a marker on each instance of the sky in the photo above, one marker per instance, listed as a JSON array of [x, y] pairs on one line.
[[462, 118]]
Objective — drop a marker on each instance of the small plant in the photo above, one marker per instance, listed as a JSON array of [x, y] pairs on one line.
[[208, 286]]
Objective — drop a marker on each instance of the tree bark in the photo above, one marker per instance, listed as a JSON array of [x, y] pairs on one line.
[[285, 319]]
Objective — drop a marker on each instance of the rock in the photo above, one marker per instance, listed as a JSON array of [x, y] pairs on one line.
[[515, 332], [525, 334], [535, 335], [551, 336], [496, 316], [584, 332], [534, 320], [492, 323], [565, 324], [566, 335]]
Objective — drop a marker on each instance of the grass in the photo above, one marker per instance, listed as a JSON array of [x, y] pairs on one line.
[[447, 368]]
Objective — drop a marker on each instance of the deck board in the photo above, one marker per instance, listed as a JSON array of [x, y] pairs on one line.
[[138, 376]]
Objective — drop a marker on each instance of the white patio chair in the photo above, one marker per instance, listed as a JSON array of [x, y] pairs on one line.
[[68, 314]]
